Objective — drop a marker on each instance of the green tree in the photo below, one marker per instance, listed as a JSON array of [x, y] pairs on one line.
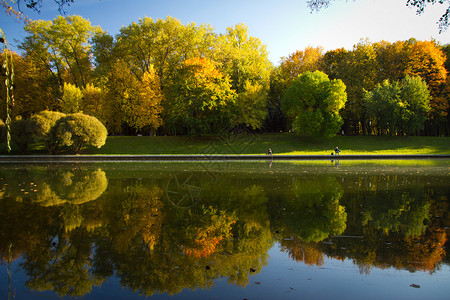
[[42, 129], [275, 120], [398, 107], [312, 101], [79, 130], [383, 103], [416, 98]]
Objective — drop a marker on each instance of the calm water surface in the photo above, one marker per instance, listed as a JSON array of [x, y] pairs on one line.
[[226, 230]]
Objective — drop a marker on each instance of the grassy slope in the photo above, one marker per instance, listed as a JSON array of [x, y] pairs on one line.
[[279, 143]]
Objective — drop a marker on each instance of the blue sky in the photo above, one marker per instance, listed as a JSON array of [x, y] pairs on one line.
[[283, 25]]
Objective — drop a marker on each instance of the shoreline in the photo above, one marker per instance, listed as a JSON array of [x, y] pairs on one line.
[[203, 157]]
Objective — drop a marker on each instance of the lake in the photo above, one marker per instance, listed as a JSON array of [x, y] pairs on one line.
[[226, 230]]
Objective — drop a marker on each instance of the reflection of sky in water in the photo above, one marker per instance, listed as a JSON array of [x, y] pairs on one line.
[[282, 278]]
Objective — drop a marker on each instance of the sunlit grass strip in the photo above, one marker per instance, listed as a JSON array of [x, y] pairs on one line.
[[288, 144], [258, 144], [399, 151], [385, 162]]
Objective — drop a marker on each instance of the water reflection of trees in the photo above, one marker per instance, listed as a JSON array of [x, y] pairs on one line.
[[74, 229], [393, 223]]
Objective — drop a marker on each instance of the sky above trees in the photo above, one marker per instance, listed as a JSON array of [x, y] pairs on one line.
[[283, 25]]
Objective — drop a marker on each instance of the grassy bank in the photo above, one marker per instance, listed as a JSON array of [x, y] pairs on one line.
[[279, 143]]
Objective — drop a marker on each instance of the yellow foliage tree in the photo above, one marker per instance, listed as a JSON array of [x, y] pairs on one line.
[[301, 61], [428, 61]]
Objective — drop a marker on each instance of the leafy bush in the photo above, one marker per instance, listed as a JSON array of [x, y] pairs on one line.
[[79, 130], [42, 128]]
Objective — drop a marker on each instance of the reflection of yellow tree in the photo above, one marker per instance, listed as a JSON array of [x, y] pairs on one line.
[[298, 250], [134, 213], [252, 236], [197, 244], [426, 252], [208, 231], [53, 186], [81, 186]]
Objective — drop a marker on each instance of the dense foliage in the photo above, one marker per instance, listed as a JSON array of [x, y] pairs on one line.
[[43, 128], [79, 130], [163, 77], [313, 102]]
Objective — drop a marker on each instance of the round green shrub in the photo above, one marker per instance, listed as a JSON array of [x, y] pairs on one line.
[[79, 130], [42, 128]]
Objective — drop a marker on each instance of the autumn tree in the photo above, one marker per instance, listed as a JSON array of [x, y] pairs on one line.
[[137, 103], [369, 64], [361, 75], [160, 44], [62, 46], [34, 89], [312, 101], [335, 63], [71, 98], [358, 70], [202, 100], [392, 59], [93, 101], [245, 60], [145, 109], [301, 61], [428, 61]]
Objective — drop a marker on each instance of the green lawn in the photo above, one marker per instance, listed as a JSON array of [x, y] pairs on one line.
[[282, 143]]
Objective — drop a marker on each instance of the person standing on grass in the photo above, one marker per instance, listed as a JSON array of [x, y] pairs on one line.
[[336, 151]]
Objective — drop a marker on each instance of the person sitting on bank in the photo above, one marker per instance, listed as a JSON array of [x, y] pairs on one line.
[[336, 151]]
